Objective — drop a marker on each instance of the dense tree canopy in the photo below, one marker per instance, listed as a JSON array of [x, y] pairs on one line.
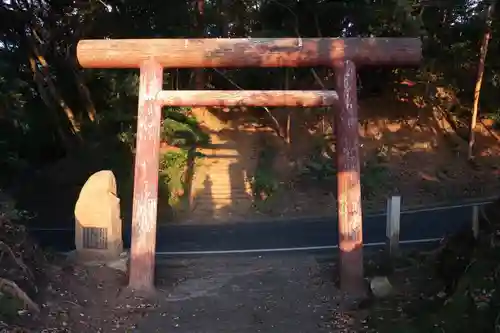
[[49, 106]]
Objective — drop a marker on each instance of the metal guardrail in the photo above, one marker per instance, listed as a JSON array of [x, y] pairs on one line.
[[314, 244], [408, 210]]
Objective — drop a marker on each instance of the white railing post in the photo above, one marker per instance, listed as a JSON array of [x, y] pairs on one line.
[[393, 224]]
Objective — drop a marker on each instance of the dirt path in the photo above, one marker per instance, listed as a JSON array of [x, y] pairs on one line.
[[221, 186], [221, 189], [245, 294]]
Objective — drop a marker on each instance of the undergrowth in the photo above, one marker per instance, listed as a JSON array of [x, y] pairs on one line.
[[21, 266], [183, 132], [174, 167], [453, 289], [264, 182], [178, 129], [321, 168]]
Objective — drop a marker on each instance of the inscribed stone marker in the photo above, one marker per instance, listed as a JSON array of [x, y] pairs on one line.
[[98, 230]]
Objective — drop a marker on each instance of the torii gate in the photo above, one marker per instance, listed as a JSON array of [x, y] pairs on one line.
[[153, 55]]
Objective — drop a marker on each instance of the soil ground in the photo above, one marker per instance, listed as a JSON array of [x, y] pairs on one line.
[[421, 154], [272, 293], [408, 150], [245, 293], [239, 293]]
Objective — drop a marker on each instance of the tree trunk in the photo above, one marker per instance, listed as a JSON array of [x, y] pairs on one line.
[[480, 73], [54, 92], [70, 115], [68, 145], [200, 12], [41, 70], [85, 94]]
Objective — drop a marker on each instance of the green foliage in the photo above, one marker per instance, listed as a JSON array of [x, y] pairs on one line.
[[177, 129], [320, 168], [496, 118], [374, 173], [181, 130], [172, 170], [264, 182]]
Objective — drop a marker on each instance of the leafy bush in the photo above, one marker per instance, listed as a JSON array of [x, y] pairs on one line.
[[321, 169], [374, 173], [172, 168], [320, 166], [264, 182], [178, 129], [22, 264], [183, 131]]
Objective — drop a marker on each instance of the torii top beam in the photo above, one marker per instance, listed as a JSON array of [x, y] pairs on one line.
[[248, 52]]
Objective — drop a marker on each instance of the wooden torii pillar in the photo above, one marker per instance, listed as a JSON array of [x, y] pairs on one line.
[[151, 56]]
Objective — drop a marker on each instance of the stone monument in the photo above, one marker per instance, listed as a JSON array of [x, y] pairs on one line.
[[98, 230]]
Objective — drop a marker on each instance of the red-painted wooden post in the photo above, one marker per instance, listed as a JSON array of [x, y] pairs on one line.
[[142, 251], [348, 180]]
